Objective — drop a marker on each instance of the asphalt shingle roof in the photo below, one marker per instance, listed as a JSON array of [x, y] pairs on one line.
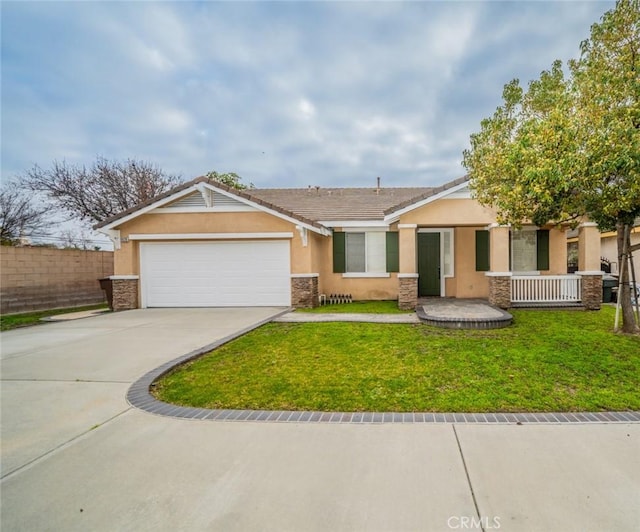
[[315, 204], [325, 204]]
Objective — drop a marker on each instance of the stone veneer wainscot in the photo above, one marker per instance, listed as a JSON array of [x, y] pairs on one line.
[[591, 290], [125, 292], [407, 291], [304, 290], [500, 289]]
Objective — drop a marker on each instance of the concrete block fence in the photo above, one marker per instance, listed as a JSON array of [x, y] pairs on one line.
[[39, 278]]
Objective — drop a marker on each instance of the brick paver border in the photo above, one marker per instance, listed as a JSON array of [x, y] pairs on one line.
[[138, 396]]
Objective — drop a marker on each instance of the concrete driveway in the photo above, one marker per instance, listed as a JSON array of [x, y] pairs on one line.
[[76, 456]]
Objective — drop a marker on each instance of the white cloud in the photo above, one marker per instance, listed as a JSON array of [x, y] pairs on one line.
[[154, 57], [150, 34], [306, 108], [285, 94], [167, 120]]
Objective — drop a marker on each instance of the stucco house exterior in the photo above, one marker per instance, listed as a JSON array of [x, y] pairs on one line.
[[609, 247], [206, 244]]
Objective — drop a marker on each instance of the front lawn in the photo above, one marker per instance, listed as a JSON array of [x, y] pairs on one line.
[[13, 321], [547, 361]]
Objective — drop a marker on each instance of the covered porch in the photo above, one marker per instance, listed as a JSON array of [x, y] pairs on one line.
[[509, 288], [507, 267]]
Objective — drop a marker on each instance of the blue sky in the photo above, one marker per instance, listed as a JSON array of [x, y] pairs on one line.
[[283, 93]]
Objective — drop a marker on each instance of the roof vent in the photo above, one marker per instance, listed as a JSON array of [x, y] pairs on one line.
[[378, 186]]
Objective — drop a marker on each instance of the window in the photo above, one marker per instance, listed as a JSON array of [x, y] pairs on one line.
[[365, 252], [447, 252], [529, 250], [356, 252]]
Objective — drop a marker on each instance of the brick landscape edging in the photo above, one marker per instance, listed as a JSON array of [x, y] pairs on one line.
[[138, 396]]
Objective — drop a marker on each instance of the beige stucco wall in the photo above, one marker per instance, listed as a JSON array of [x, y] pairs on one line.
[[127, 261], [449, 213], [407, 248], [206, 222], [361, 288], [321, 252], [557, 251], [499, 237], [464, 215], [588, 247], [467, 283], [318, 245]]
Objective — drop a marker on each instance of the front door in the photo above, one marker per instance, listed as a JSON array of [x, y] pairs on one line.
[[428, 264]]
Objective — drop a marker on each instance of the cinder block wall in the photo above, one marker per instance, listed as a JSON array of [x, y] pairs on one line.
[[36, 278]]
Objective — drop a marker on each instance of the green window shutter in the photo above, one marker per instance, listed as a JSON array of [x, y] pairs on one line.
[[482, 251], [542, 237], [393, 252], [339, 253]]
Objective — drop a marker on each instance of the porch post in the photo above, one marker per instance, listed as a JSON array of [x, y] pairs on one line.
[[499, 274], [408, 276], [589, 265]]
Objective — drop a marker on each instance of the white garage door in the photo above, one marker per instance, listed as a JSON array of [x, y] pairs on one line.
[[215, 274]]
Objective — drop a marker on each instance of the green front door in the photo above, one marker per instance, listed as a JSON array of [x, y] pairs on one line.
[[429, 264]]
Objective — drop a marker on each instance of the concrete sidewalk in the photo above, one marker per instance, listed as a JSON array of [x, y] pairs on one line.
[[312, 317], [76, 456], [441, 312]]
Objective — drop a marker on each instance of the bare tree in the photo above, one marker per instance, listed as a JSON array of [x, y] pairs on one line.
[[104, 189], [77, 239], [19, 216]]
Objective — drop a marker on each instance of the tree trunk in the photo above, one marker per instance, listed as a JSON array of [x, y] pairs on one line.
[[624, 294]]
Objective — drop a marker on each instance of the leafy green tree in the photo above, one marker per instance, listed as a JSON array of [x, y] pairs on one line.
[[231, 179], [569, 147]]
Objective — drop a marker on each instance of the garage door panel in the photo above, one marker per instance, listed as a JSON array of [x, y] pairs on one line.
[[247, 273]]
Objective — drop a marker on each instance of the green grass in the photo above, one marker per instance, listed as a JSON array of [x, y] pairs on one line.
[[547, 361], [366, 307], [13, 321]]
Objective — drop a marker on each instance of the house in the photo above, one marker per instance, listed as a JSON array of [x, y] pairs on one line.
[[205, 244], [609, 249]]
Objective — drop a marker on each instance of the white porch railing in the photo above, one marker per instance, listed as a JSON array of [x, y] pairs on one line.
[[546, 288]]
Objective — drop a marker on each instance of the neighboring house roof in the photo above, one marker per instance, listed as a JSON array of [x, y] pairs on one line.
[[312, 205]]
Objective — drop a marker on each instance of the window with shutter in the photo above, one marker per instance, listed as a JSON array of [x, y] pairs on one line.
[[393, 251], [362, 252], [542, 249], [482, 251], [339, 255], [530, 250]]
